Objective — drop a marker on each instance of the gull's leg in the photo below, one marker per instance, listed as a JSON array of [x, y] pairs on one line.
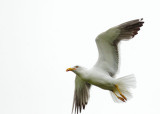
[[120, 92], [120, 98]]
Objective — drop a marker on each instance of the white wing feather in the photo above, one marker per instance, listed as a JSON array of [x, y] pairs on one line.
[[107, 44]]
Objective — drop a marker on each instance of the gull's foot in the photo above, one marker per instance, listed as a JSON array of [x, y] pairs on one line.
[[123, 97], [120, 93], [120, 98]]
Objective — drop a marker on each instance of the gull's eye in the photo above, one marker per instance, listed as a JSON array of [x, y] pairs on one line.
[[76, 66]]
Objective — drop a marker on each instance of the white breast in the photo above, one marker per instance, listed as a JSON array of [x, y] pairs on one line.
[[100, 79]]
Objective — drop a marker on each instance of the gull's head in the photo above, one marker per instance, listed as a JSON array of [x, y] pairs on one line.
[[76, 69]]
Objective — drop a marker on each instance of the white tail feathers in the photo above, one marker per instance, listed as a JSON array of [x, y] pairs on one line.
[[124, 84]]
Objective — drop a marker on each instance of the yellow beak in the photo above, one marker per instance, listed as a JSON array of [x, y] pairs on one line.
[[70, 69]]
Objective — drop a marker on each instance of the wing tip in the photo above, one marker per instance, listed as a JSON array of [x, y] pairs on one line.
[[141, 20]]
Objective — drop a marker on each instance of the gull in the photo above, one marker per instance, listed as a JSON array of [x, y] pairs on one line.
[[102, 74]]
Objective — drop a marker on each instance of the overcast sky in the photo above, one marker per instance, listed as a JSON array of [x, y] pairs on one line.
[[39, 39]]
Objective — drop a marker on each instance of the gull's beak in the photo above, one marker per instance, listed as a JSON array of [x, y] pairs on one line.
[[70, 69]]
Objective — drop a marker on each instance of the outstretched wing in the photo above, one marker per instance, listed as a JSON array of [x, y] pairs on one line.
[[81, 94], [107, 44]]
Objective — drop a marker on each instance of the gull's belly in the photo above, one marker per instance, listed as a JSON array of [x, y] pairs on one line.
[[102, 81]]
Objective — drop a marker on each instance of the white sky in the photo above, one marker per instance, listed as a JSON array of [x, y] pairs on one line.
[[39, 39]]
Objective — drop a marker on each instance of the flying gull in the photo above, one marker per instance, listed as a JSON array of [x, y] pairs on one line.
[[102, 73]]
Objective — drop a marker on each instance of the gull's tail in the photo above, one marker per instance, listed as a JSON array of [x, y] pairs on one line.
[[121, 93]]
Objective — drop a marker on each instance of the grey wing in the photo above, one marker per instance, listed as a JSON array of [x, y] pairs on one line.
[[81, 94], [107, 44]]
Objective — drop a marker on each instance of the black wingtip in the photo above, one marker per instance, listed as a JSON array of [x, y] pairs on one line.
[[141, 20]]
